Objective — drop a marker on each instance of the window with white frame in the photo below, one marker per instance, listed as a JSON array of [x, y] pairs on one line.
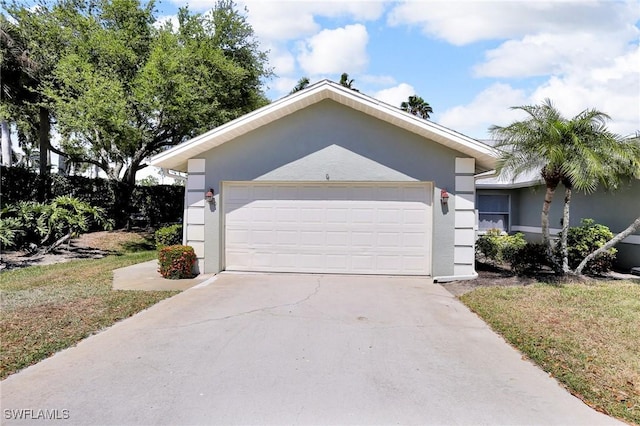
[[493, 212]]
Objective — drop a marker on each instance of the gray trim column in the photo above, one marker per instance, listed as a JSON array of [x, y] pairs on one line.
[[465, 218], [194, 212]]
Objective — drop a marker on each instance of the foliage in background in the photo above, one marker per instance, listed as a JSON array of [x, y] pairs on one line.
[[123, 87], [168, 236], [157, 204], [34, 224], [417, 106], [497, 247], [176, 262], [587, 238]]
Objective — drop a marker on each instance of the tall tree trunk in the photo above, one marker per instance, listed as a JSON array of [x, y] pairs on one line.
[[564, 252], [6, 143], [43, 139], [612, 242], [546, 239]]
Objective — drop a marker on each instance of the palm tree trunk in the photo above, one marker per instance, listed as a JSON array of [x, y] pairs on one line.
[[612, 242], [564, 252], [546, 239], [6, 143]]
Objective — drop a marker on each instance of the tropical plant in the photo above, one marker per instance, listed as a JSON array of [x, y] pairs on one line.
[[29, 223], [347, 82], [417, 106], [302, 84], [581, 153], [10, 230], [66, 217]]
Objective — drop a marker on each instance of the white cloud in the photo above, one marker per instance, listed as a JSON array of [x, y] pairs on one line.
[[545, 54], [283, 85], [334, 51], [463, 22], [491, 106], [395, 95], [613, 88], [290, 20], [281, 60]]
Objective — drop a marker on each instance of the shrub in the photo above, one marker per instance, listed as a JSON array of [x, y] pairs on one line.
[[169, 236], [498, 247], [176, 262], [529, 259], [585, 239], [487, 245], [33, 224], [156, 204], [10, 231]]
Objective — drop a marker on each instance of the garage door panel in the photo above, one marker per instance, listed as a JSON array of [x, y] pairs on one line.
[[362, 228]]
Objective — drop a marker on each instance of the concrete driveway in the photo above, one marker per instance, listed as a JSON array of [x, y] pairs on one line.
[[295, 349]]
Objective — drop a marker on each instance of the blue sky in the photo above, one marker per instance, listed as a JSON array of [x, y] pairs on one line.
[[471, 60]]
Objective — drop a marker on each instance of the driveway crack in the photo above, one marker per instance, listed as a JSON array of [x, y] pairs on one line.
[[253, 311]]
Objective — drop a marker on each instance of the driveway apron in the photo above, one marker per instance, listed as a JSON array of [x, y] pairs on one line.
[[295, 349]]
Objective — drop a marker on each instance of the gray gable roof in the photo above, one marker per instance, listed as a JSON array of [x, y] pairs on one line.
[[176, 157]]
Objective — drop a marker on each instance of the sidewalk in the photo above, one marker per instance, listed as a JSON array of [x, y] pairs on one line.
[[145, 276]]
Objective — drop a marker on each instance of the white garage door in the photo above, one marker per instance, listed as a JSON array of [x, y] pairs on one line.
[[350, 228]]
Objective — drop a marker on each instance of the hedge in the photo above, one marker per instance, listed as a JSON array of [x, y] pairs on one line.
[[152, 205]]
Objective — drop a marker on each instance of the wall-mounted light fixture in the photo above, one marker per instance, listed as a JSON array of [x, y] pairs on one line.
[[208, 196], [444, 196]]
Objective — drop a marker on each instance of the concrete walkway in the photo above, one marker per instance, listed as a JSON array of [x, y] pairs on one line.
[[269, 349], [145, 276]]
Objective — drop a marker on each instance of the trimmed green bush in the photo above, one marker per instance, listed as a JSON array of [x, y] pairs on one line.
[[176, 262], [585, 239], [529, 259], [498, 247], [168, 236]]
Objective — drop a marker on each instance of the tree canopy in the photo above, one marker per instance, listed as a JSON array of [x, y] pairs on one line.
[[417, 106], [123, 86]]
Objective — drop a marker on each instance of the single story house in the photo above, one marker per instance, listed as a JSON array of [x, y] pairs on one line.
[[516, 206], [329, 180]]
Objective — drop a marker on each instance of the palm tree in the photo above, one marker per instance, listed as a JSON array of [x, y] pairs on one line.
[[346, 82], [302, 84], [417, 106], [581, 153]]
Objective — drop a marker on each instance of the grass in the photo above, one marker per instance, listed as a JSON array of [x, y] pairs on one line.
[[48, 308], [585, 335]]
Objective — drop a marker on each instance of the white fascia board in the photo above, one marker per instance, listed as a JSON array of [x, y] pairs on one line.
[[508, 185]]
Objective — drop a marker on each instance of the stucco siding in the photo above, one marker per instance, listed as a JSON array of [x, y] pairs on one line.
[[616, 209], [328, 141]]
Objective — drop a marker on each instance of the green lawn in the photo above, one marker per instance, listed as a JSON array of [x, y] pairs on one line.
[[48, 308], [585, 335]]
